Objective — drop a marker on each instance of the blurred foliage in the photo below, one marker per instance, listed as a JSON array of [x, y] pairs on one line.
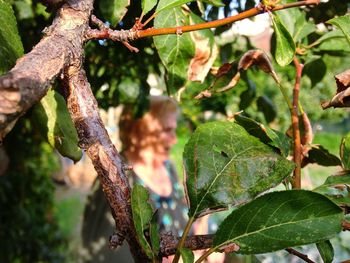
[[29, 231]]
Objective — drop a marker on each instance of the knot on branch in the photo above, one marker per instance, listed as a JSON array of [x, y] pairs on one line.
[[115, 241]]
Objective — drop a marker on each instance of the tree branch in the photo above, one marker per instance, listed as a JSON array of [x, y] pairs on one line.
[[299, 255], [295, 125], [129, 35], [168, 243], [105, 158], [33, 74]]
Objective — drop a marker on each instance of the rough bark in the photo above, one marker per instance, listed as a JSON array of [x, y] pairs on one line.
[[60, 55], [33, 74]]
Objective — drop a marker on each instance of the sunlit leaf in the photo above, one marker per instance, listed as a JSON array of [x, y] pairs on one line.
[[147, 5], [279, 220], [113, 10], [335, 44], [168, 4], [265, 134], [336, 188], [53, 116], [175, 51], [187, 255], [10, 43], [345, 151], [225, 165], [343, 22], [285, 46], [142, 215], [326, 251]]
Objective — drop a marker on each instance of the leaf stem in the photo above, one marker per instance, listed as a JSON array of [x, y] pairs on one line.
[[205, 255], [183, 239], [296, 183], [220, 22]]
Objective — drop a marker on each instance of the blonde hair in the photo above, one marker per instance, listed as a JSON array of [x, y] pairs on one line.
[[131, 130]]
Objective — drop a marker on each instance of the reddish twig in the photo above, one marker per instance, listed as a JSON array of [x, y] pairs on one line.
[[346, 225], [299, 255], [134, 33], [297, 150]]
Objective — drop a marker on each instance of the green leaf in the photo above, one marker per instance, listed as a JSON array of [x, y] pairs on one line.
[[279, 220], [285, 46], [187, 255], [326, 251], [113, 10], [10, 43], [342, 22], [335, 44], [53, 116], [267, 107], [142, 214], [169, 4], [225, 165], [217, 3], [330, 35], [345, 151], [267, 135], [337, 188], [147, 5], [315, 70], [303, 30], [154, 234], [175, 51]]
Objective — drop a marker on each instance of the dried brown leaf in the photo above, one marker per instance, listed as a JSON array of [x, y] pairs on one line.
[[342, 98]]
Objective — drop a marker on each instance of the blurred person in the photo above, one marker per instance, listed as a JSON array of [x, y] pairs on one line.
[[146, 144]]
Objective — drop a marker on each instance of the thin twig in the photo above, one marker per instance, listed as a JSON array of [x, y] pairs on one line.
[[299, 255], [134, 33], [295, 126], [220, 22]]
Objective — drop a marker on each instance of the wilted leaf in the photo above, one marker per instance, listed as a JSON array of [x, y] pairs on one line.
[[257, 58], [142, 215], [206, 51], [147, 5], [345, 151], [343, 22], [285, 46], [320, 155], [225, 165], [175, 51], [342, 97], [267, 135], [326, 251], [53, 116], [113, 10], [336, 188], [187, 255], [226, 78], [10, 43], [279, 220]]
